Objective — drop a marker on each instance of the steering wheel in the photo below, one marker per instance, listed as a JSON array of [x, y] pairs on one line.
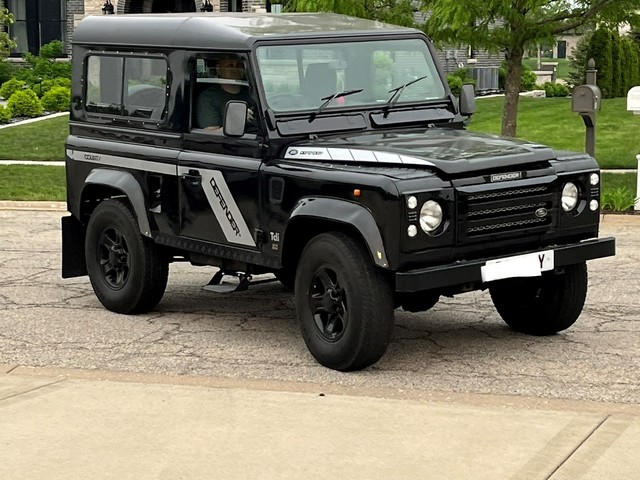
[[286, 100]]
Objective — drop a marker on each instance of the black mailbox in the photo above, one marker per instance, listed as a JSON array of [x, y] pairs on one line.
[[586, 99]]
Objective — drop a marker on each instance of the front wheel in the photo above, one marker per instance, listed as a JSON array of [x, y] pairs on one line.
[[128, 272], [542, 305], [344, 304]]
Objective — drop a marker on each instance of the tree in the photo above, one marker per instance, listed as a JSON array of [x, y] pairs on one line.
[[579, 59], [616, 65], [600, 49], [510, 26], [398, 12], [6, 43]]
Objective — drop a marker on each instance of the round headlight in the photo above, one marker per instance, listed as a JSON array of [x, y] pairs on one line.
[[430, 216], [412, 202], [569, 197]]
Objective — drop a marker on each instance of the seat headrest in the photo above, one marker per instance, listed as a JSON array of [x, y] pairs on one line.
[[319, 80]]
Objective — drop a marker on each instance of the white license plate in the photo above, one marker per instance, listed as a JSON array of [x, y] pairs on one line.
[[527, 265]]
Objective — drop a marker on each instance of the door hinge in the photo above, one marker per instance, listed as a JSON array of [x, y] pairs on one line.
[[259, 236]]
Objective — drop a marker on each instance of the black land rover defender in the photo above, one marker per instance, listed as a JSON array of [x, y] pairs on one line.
[[339, 162]]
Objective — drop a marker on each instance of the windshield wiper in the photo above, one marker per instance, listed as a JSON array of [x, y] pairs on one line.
[[328, 99], [398, 91]]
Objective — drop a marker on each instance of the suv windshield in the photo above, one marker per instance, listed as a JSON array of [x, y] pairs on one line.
[[302, 77]]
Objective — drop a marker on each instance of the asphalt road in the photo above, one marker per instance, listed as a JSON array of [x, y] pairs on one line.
[[461, 345]]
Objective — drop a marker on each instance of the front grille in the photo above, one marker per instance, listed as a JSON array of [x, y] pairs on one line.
[[490, 215], [507, 193], [506, 225]]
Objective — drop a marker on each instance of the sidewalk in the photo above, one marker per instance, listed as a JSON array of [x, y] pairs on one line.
[[73, 424], [32, 120]]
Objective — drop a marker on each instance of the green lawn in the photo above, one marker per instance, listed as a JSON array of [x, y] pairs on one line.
[[550, 121], [32, 182], [43, 140]]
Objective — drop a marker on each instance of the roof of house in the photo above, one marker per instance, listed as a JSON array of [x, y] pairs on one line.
[[221, 30]]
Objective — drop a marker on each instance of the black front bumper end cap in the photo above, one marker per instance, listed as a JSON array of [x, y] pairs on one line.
[[470, 271]]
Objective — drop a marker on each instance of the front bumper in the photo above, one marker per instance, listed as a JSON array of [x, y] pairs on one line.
[[469, 272]]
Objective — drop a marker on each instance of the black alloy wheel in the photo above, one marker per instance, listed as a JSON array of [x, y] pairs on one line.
[[328, 304], [113, 257]]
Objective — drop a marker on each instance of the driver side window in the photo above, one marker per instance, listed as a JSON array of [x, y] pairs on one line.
[[217, 80]]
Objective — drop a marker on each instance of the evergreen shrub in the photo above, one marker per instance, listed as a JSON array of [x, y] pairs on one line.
[[24, 103], [5, 115], [57, 99], [10, 87]]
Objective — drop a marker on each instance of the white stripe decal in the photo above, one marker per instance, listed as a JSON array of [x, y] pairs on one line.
[[363, 155], [225, 209], [340, 154], [352, 154], [388, 157], [123, 162]]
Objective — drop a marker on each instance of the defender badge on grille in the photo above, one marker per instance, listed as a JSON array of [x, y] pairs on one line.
[[503, 177], [541, 212]]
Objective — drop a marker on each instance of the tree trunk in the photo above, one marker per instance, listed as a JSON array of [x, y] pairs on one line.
[[512, 84]]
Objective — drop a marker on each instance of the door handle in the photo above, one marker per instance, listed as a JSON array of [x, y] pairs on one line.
[[192, 178]]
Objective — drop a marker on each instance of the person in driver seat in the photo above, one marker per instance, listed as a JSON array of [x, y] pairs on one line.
[[211, 103]]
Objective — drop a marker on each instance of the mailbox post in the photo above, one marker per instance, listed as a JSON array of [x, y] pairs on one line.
[[633, 105], [586, 100]]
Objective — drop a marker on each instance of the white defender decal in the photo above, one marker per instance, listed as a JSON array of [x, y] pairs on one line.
[[225, 208]]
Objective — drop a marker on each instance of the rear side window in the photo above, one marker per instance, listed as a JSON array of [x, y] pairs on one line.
[[127, 86]]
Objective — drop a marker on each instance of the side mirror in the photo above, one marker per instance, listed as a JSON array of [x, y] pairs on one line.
[[235, 117], [467, 102]]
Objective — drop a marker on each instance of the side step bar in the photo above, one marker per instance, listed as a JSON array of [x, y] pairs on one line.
[[217, 285]]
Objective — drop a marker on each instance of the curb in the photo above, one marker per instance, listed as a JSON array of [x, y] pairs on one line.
[[34, 206], [32, 162], [32, 120], [384, 393]]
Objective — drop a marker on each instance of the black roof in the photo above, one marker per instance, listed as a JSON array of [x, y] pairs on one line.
[[234, 31]]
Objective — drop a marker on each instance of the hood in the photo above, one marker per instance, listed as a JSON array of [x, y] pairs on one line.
[[452, 152]]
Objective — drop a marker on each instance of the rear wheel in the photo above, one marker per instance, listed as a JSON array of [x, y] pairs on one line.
[[128, 272], [344, 304], [542, 305]]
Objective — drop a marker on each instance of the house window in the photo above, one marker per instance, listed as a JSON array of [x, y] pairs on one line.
[[472, 54], [37, 22]]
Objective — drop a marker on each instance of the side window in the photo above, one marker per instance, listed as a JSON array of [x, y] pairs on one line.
[[104, 84], [127, 86], [219, 79], [146, 86]]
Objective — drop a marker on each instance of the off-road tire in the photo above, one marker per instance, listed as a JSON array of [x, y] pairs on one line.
[[542, 305], [336, 274], [128, 272]]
